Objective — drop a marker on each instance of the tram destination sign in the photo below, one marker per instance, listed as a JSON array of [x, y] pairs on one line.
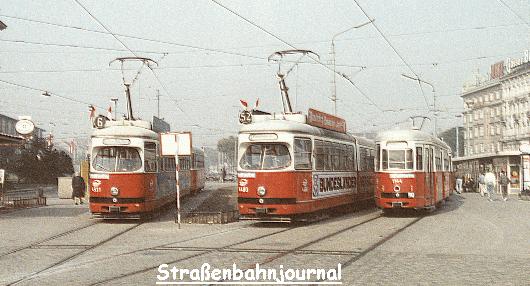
[[326, 121]]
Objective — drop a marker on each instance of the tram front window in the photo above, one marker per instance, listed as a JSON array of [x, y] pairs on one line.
[[117, 159], [265, 157], [397, 159]]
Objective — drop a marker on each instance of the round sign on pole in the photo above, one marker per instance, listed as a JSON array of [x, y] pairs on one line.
[[24, 127]]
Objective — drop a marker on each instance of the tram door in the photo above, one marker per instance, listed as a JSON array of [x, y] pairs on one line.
[[429, 175]]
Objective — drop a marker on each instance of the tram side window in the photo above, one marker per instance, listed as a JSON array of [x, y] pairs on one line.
[[419, 158], [331, 156], [351, 158], [168, 164], [320, 154], [446, 162], [185, 163], [438, 161], [377, 155], [150, 157], [198, 161], [369, 160], [302, 153], [363, 157]]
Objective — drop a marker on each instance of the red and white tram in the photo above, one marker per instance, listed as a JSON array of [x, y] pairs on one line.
[[128, 177], [293, 166], [413, 170]]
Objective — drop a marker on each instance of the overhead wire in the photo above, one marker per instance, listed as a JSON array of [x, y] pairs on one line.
[[49, 93], [130, 37], [514, 12], [393, 48], [292, 46], [150, 68]]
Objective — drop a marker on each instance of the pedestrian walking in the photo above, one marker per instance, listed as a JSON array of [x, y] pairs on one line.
[[503, 183], [481, 185], [222, 175], [78, 189], [491, 181], [458, 184]]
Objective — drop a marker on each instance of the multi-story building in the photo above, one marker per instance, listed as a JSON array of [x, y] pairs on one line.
[[496, 121]]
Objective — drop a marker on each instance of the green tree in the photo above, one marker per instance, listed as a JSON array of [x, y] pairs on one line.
[[39, 163], [227, 147]]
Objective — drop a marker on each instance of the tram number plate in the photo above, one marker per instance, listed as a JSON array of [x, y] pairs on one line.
[[114, 209], [397, 204]]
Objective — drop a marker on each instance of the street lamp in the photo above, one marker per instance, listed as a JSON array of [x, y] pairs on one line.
[[334, 96], [420, 81], [457, 144]]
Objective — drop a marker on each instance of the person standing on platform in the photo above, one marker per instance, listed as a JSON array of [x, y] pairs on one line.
[[78, 189], [490, 181], [503, 183], [481, 184]]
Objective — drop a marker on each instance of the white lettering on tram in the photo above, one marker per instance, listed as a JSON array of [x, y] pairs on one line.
[[333, 184]]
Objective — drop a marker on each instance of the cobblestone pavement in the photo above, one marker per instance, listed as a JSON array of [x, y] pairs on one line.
[[470, 241]]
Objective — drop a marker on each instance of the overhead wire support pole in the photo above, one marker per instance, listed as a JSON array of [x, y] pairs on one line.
[[285, 42], [334, 95]]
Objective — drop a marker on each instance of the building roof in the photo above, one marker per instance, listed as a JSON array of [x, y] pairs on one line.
[[10, 139]]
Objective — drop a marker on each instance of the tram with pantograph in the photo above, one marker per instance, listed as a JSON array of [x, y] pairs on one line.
[[413, 170], [129, 178], [297, 167]]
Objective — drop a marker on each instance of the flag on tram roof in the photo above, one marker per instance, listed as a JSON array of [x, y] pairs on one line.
[[92, 110], [244, 103], [109, 112]]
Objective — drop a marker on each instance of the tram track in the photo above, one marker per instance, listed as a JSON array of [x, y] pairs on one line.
[[50, 238], [70, 257], [372, 247], [355, 255], [230, 249], [150, 268]]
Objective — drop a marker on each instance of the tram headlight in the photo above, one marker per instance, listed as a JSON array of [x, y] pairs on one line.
[[114, 191], [261, 191]]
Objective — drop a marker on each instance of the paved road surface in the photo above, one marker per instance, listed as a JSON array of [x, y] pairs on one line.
[[469, 242]]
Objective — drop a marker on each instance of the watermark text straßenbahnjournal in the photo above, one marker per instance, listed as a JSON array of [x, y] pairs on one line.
[[258, 275]]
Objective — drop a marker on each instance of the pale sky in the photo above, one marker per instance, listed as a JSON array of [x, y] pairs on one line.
[[209, 58]]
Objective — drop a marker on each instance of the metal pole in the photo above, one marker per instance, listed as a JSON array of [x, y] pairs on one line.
[[334, 95], [457, 149], [158, 103], [115, 100], [129, 106], [234, 166], [435, 113], [177, 166]]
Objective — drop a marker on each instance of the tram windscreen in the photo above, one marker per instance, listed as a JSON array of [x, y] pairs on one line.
[[397, 159], [117, 159], [265, 157]]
